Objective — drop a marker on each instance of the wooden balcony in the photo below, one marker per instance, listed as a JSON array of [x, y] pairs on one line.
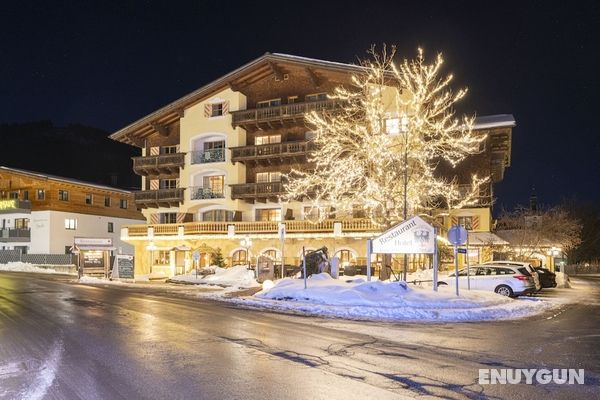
[[162, 165], [287, 114], [159, 198], [8, 206], [274, 153], [354, 225], [203, 193], [15, 235], [260, 192], [207, 156]]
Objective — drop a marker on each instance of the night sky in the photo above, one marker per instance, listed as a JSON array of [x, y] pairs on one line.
[[105, 64]]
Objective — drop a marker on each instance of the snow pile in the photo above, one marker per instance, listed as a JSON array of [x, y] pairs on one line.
[[239, 276], [562, 280], [91, 280], [377, 300], [26, 267]]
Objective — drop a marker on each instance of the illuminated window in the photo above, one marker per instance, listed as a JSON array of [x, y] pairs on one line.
[[272, 254], [162, 257], [264, 177], [216, 110], [392, 126], [70, 224], [258, 140], [466, 222], [268, 214], [63, 195], [217, 215], [89, 199], [40, 194], [292, 99], [345, 256], [239, 258]]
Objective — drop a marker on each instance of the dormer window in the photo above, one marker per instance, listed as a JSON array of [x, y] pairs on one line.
[[316, 97]]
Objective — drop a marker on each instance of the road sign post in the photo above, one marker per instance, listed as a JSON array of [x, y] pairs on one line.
[[457, 235]]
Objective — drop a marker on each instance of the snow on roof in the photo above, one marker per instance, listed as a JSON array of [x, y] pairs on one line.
[[62, 179], [494, 121], [317, 61], [485, 238]]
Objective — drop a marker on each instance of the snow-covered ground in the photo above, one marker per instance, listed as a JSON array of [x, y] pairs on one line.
[[562, 280], [238, 277], [389, 301], [26, 267]]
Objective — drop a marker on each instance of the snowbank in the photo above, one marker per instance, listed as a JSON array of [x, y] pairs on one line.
[[376, 300], [562, 280], [239, 276], [26, 267]]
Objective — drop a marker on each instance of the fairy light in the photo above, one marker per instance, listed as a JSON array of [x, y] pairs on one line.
[[357, 164]]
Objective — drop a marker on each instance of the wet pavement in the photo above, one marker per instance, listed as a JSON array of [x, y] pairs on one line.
[[62, 340]]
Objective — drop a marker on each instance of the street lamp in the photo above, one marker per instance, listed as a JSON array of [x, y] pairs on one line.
[[247, 243]]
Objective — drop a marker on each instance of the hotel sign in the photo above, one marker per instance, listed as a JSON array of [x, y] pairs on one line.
[[413, 236], [100, 242], [8, 204]]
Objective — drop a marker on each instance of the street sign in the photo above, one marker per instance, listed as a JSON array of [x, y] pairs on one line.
[[462, 251], [281, 232], [196, 256], [457, 235]]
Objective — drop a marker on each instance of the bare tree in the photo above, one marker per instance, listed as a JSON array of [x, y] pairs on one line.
[[379, 152]]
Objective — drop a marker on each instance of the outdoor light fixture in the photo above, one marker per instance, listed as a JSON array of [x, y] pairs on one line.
[[247, 243]]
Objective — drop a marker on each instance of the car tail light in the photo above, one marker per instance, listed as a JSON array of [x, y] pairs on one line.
[[521, 277]]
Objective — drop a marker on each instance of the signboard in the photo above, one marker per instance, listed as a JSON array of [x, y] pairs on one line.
[[462, 251], [196, 255], [8, 204], [93, 258], [123, 267], [413, 236], [457, 235], [91, 242], [281, 232]]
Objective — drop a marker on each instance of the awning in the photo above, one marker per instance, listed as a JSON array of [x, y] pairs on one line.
[[486, 239]]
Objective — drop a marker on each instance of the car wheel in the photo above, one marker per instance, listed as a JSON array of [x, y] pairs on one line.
[[504, 290], [442, 284]]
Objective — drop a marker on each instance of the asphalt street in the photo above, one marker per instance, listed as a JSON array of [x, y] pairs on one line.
[[64, 340]]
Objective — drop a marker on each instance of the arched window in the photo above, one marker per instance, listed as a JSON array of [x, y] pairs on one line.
[[345, 256], [272, 254], [239, 258], [217, 215]]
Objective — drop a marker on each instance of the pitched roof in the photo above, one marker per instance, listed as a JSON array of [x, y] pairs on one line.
[[39, 175], [494, 121], [251, 72]]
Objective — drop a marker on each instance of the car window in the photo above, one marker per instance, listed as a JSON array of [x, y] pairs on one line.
[[524, 271], [540, 271], [505, 271]]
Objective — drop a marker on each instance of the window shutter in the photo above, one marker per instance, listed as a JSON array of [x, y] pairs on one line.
[[207, 110], [475, 222], [454, 220], [154, 151], [154, 184], [225, 108], [177, 182], [180, 217], [154, 218]]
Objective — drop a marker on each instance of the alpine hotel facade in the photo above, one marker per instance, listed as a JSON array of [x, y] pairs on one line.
[[212, 165]]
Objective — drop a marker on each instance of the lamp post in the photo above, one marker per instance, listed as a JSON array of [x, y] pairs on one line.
[[247, 243]]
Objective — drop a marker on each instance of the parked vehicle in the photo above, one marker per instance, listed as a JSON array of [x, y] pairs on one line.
[[547, 277], [506, 280], [519, 264]]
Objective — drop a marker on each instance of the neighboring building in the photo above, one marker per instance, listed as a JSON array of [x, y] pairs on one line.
[[44, 214], [212, 164]]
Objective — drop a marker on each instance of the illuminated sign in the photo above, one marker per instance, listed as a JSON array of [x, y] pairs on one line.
[[8, 204], [414, 236]]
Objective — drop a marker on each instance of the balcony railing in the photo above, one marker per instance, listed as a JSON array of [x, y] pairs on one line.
[[256, 227], [272, 151], [202, 193], [251, 191], [159, 198], [208, 156], [14, 205], [15, 235], [164, 164], [287, 112]]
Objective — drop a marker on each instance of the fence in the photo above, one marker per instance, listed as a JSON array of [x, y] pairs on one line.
[[7, 256], [583, 269]]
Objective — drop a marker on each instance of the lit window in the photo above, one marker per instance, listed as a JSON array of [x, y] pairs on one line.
[[63, 195], [265, 177], [162, 257], [392, 126], [268, 214], [41, 194], [239, 258], [466, 222], [216, 110], [70, 223], [89, 199], [258, 140]]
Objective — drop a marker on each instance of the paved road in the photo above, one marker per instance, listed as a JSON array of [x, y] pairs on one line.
[[61, 340]]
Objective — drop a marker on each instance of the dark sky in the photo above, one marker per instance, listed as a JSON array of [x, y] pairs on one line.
[[106, 64]]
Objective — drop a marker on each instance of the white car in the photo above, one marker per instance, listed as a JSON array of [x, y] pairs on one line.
[[506, 280], [519, 264]]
